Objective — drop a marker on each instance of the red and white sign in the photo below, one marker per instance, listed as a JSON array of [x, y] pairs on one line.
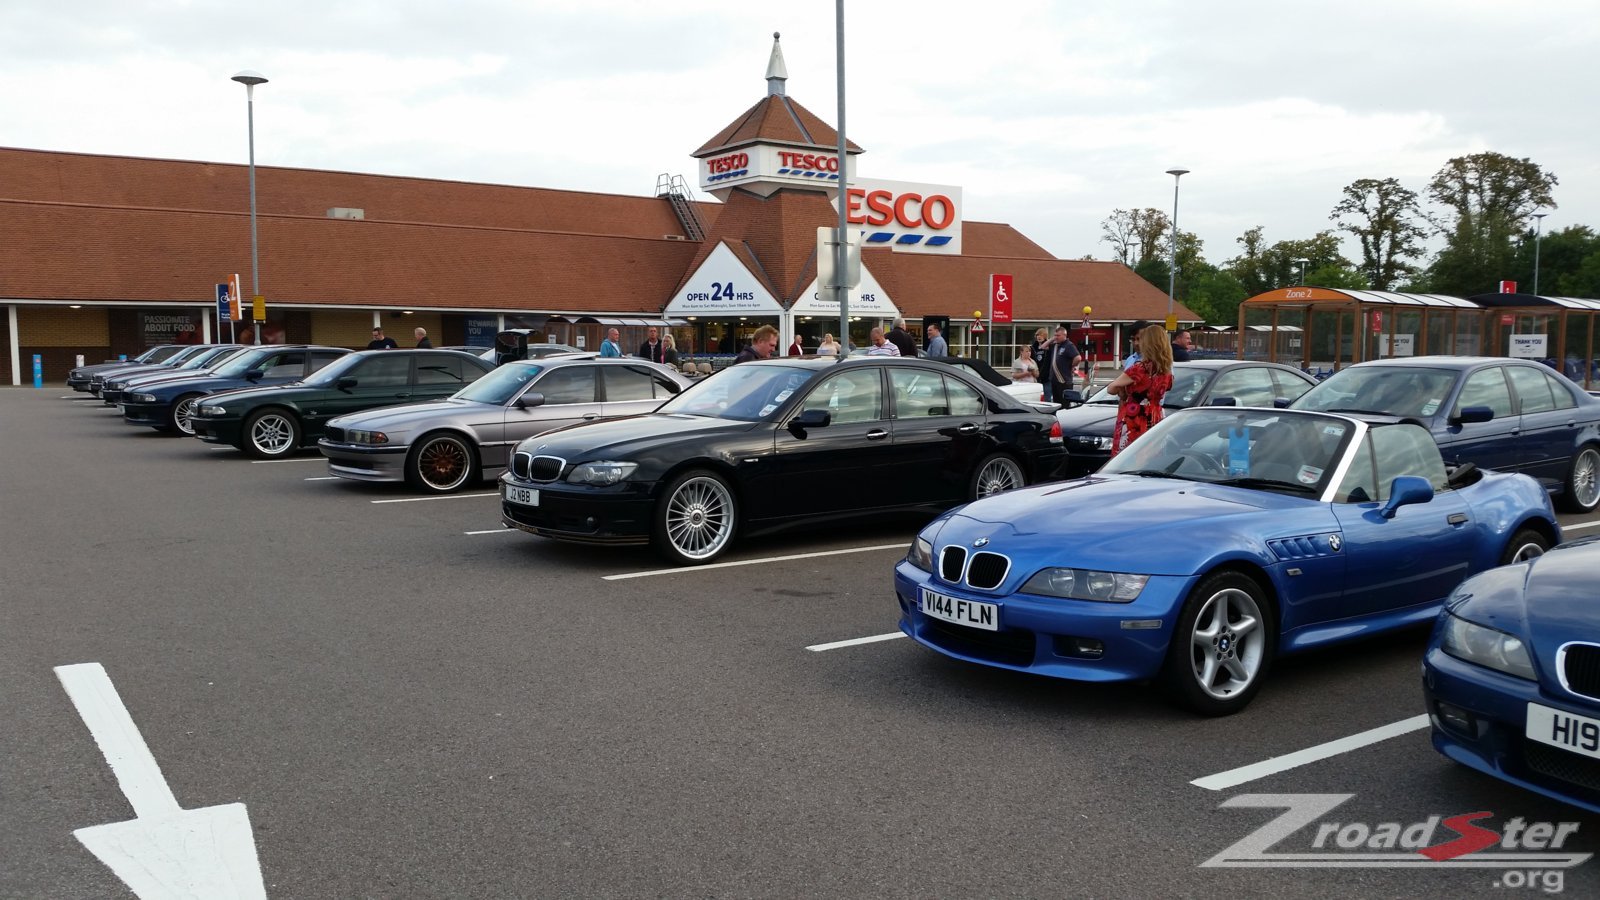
[[1508, 287], [1000, 296], [1377, 321]]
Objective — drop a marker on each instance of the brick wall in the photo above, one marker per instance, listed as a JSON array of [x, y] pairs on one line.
[[343, 328], [59, 334]]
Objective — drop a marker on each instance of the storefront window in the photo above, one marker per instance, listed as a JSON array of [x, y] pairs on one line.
[[1578, 362]]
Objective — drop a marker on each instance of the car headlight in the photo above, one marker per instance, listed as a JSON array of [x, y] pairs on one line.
[[366, 437], [1085, 584], [1487, 647], [144, 398], [1091, 442], [921, 554], [601, 472], [213, 411]]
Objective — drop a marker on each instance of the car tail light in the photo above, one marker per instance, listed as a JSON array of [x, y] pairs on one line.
[[1055, 432]]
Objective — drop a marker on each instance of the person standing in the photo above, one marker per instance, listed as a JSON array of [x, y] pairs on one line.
[[610, 346], [1138, 326], [937, 346], [902, 339], [421, 334], [651, 349], [379, 342], [881, 345], [1023, 368], [1140, 388], [1057, 367], [762, 345], [1182, 343], [1041, 341], [828, 347], [669, 349], [795, 347]]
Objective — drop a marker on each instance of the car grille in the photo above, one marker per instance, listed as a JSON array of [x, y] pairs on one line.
[[1011, 646], [1553, 762], [1580, 669], [987, 570], [528, 467], [951, 561], [334, 434]]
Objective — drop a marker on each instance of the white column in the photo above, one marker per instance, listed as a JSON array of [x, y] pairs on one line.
[[16, 346], [377, 318], [205, 328]]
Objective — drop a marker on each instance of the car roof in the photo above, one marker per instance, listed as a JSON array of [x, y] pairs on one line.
[[1444, 362], [1225, 363]]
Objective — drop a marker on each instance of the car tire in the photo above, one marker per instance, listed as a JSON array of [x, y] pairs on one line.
[[995, 474], [1582, 492], [180, 416], [1526, 544], [696, 519], [442, 463], [1221, 647], [271, 434]]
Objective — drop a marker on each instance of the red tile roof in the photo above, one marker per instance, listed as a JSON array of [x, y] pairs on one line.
[[776, 120]]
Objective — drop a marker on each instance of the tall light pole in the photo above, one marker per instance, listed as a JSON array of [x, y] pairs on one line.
[[1302, 263], [1172, 277], [1538, 235], [250, 79]]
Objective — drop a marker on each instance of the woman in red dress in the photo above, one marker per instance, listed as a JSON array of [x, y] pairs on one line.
[[1141, 388]]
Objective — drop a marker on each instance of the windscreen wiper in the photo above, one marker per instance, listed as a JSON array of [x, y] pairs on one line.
[[1267, 483]]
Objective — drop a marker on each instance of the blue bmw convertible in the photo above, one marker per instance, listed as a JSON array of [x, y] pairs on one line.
[[1512, 675], [1222, 538]]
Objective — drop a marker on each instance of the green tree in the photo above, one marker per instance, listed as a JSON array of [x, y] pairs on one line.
[[1561, 255], [1383, 216], [1261, 268], [1490, 197], [1135, 234], [1215, 294]]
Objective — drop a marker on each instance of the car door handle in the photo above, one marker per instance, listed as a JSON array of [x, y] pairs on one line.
[[968, 428], [1457, 519], [402, 396], [591, 416], [877, 434]]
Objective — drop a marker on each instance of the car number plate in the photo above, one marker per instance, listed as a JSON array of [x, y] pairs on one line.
[[1578, 734], [970, 613], [522, 495]]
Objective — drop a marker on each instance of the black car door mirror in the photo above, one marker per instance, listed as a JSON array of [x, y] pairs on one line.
[[530, 400], [1469, 415], [1281, 402], [254, 375], [345, 382], [1222, 401], [1406, 490], [811, 418], [1072, 398]]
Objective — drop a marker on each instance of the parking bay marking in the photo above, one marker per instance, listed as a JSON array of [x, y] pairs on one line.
[[753, 562], [268, 462], [323, 478], [853, 642], [500, 530], [1577, 527], [1243, 774], [443, 497]]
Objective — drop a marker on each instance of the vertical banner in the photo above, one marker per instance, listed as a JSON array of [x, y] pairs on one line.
[[38, 371], [225, 303], [1377, 321], [1000, 297]]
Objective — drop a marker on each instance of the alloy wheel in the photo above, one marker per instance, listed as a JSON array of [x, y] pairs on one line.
[[699, 517], [272, 434], [1228, 644], [999, 474]]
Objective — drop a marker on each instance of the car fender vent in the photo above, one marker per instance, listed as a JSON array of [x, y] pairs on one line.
[[1303, 547]]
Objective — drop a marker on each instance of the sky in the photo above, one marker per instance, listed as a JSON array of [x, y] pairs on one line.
[[1048, 115]]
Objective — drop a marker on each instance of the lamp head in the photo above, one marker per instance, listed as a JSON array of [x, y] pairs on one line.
[[1175, 173], [250, 78]]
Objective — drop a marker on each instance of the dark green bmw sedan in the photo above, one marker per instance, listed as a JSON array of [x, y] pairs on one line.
[[274, 422]]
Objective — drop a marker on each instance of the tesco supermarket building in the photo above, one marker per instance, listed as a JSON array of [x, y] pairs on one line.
[[108, 255]]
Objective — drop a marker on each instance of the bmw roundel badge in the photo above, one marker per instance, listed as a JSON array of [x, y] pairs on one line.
[[981, 542], [1334, 543]]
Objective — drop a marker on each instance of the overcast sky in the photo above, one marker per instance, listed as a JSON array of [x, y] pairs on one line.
[[1048, 114]]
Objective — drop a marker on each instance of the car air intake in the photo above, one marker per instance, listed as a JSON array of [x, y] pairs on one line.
[[951, 562], [1580, 669], [546, 468], [987, 570]]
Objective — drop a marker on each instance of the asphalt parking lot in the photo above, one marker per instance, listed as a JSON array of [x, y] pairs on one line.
[[412, 701]]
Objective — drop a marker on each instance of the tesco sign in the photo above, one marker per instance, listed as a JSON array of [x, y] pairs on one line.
[[910, 217]]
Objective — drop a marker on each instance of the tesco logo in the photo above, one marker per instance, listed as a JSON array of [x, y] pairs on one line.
[[807, 161], [909, 210], [728, 163]]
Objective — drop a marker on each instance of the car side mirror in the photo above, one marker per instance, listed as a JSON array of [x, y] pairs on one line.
[[530, 400], [1222, 401], [1071, 398], [1281, 402], [345, 382], [1469, 415], [811, 418], [1406, 490], [253, 375]]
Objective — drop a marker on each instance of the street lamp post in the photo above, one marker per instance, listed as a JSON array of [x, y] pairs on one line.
[[250, 79], [1538, 235], [1172, 276], [1302, 263]]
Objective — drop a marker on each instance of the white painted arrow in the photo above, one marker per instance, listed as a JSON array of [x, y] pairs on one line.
[[165, 851]]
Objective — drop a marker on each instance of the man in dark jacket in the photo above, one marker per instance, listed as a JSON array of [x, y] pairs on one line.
[[902, 339], [651, 349], [1056, 368], [1182, 343]]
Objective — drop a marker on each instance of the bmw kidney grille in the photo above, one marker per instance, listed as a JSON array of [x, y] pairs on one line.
[[984, 571]]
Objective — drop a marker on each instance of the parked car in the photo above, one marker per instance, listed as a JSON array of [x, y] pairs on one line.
[[1087, 428], [1513, 415], [778, 443], [1220, 539], [78, 378], [449, 444], [1512, 674], [169, 405], [512, 345], [116, 384], [97, 380], [274, 422]]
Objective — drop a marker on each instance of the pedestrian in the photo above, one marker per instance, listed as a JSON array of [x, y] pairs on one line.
[[611, 346], [1041, 340], [937, 346], [1133, 342], [828, 347], [902, 339], [379, 342], [669, 349], [881, 345], [1023, 368], [651, 349], [1058, 365], [795, 347], [1182, 343], [762, 345], [422, 339], [1140, 387]]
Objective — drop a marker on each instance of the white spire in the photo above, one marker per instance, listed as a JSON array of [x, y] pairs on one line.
[[776, 73]]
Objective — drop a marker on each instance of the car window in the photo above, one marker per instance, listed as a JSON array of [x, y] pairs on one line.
[[1486, 387], [567, 384], [1288, 386], [1559, 390], [1533, 392], [1387, 390], [1247, 385], [382, 370], [1406, 450], [625, 383], [964, 398], [433, 370], [853, 396], [665, 387], [1187, 385], [320, 358], [1360, 484], [277, 364], [917, 393]]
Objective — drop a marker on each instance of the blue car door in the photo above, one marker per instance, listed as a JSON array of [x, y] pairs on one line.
[[1489, 445], [1549, 422]]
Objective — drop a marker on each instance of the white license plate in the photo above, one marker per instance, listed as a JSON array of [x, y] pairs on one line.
[[1579, 734], [522, 495], [970, 613]]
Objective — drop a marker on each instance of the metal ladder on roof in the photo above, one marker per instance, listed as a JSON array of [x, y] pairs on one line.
[[676, 190]]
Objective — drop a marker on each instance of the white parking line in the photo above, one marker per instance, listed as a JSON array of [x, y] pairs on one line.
[[324, 478], [501, 530], [1566, 528], [756, 562], [442, 497], [268, 462], [1235, 777], [856, 641], [218, 449]]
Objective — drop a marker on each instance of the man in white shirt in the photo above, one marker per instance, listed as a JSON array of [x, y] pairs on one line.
[[881, 346]]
